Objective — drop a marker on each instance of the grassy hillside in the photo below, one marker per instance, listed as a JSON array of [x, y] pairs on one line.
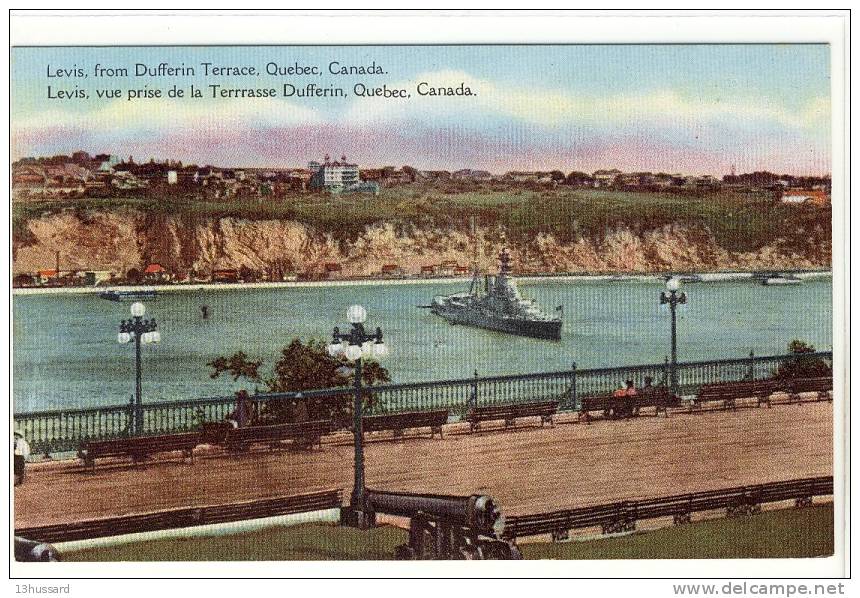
[[788, 533]]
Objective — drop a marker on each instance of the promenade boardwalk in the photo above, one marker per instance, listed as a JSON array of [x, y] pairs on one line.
[[528, 470]]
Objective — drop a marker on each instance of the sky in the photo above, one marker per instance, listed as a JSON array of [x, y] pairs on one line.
[[693, 109]]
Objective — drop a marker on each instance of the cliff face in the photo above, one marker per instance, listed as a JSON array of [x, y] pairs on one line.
[[118, 242]]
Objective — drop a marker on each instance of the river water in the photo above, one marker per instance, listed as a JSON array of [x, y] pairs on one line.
[[65, 352]]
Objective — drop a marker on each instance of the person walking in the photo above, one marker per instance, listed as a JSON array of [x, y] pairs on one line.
[[20, 453], [242, 415]]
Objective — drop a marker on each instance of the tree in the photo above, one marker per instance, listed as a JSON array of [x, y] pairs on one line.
[[237, 365], [247, 275], [134, 276], [302, 367], [22, 280], [803, 365], [579, 179], [411, 172]]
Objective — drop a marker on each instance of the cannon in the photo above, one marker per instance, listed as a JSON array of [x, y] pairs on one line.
[[31, 551], [446, 527]]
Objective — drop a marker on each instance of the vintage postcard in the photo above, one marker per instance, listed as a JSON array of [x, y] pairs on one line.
[[428, 301]]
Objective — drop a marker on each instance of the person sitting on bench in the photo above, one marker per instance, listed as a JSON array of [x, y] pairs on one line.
[[626, 391], [646, 390], [649, 385]]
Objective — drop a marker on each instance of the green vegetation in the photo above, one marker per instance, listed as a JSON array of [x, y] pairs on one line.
[[739, 222], [787, 533], [301, 366], [803, 365]]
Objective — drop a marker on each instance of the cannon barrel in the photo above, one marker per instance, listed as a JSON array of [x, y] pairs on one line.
[[476, 512]]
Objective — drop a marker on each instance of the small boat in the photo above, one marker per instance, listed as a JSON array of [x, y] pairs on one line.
[[780, 280], [135, 295], [685, 278]]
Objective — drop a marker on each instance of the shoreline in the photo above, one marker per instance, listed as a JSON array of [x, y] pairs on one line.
[[205, 286]]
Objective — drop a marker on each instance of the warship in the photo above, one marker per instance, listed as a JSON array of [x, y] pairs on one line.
[[496, 304]]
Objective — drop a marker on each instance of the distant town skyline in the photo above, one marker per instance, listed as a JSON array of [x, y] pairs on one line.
[[659, 108], [142, 160]]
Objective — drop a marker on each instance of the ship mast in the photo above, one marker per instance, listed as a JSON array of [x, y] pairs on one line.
[[504, 262], [473, 287]]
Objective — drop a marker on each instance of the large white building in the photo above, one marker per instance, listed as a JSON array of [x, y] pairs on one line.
[[333, 176]]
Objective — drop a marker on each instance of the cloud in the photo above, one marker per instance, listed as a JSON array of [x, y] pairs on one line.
[[550, 108], [446, 147], [168, 114], [494, 103], [504, 126]]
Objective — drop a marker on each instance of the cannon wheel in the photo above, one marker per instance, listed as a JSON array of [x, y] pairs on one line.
[[471, 553], [496, 550], [404, 552]]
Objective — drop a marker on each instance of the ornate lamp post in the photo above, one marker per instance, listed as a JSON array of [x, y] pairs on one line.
[[139, 331], [357, 345], [674, 299]]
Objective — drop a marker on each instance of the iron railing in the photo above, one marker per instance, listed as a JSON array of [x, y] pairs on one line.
[[183, 517], [63, 430], [622, 516]]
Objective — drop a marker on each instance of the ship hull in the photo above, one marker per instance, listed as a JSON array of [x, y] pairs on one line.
[[544, 329]]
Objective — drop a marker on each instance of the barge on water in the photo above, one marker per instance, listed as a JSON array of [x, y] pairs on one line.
[[769, 279], [131, 295]]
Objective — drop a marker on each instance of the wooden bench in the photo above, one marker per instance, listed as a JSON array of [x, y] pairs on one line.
[[729, 392], [820, 386], [545, 410], [214, 432], [659, 397], [604, 403], [311, 432], [138, 448], [398, 422]]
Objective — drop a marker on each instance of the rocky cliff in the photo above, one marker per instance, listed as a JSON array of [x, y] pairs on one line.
[[119, 241]]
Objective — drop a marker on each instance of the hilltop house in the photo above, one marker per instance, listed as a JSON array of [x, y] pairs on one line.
[[801, 196], [333, 176], [605, 178], [474, 175]]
